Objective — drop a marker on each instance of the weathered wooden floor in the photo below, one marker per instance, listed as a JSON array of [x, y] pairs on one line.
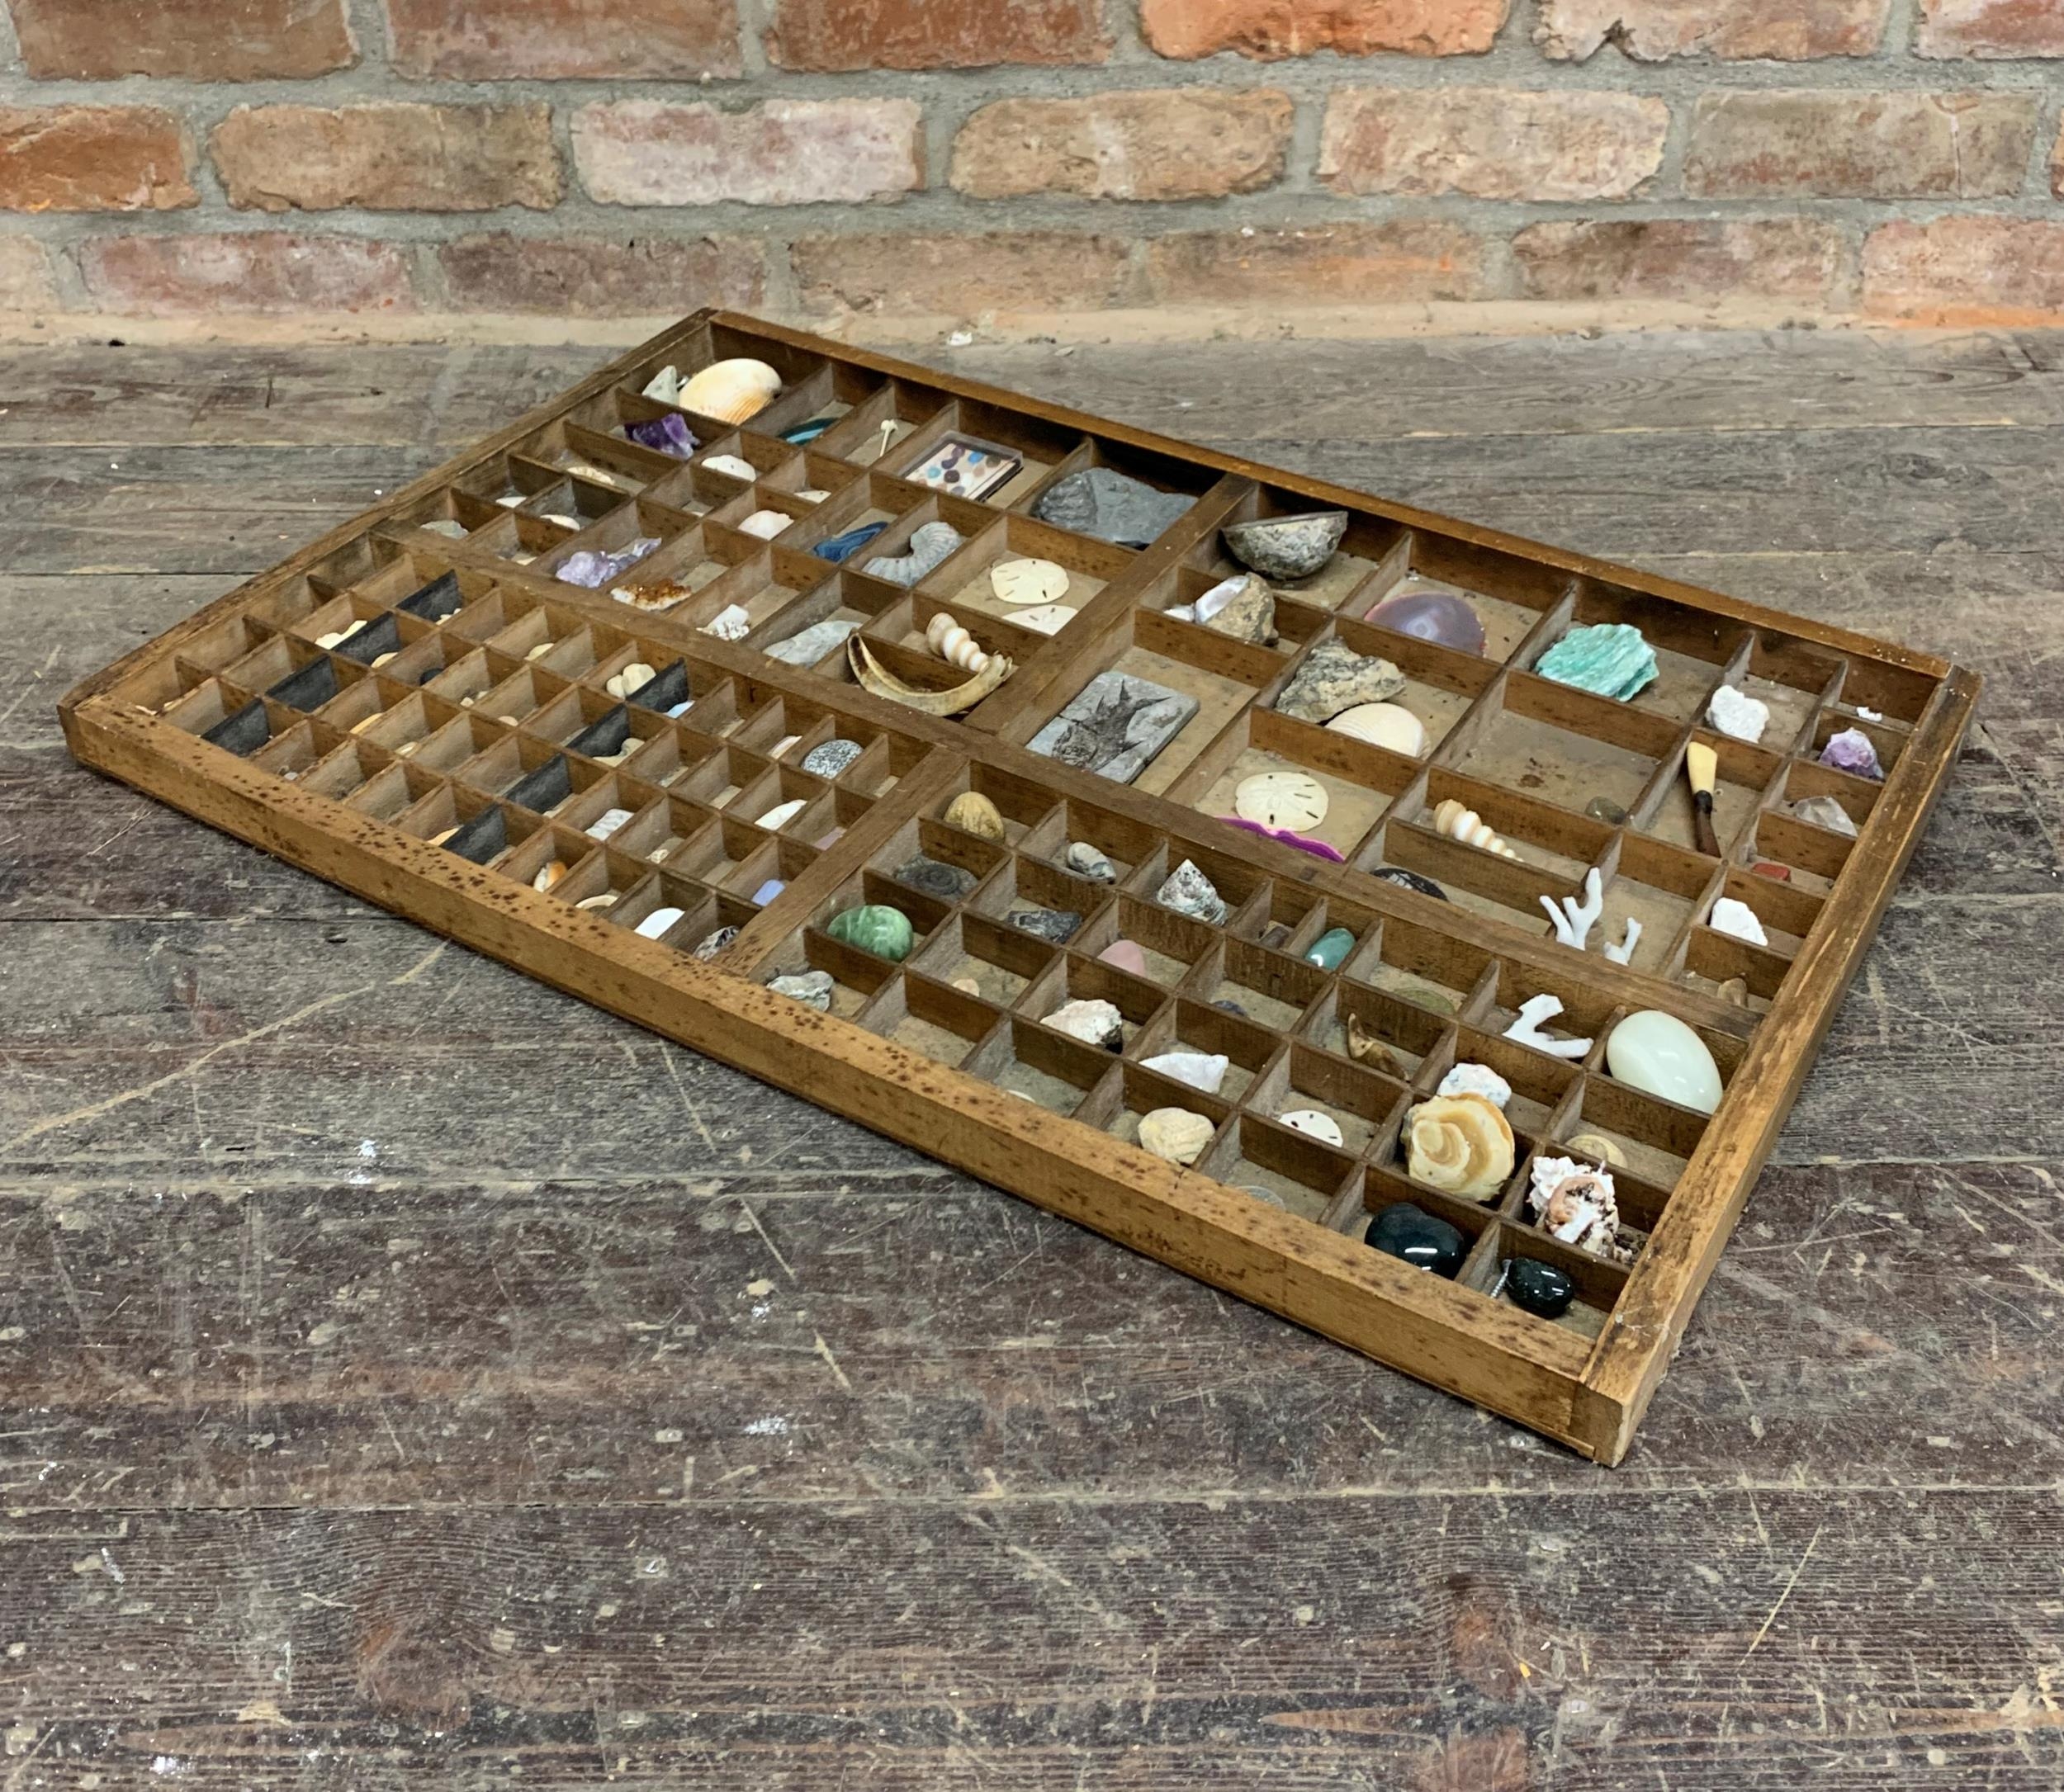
[[410, 1377]]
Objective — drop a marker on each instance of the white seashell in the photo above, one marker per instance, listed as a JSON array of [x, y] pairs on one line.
[[1476, 1080], [954, 643], [1461, 823], [1737, 921], [733, 622], [658, 921], [731, 390], [1045, 619], [664, 385], [607, 823], [782, 813], [1176, 1134], [563, 520], [1200, 1069], [1309, 1120], [636, 676], [766, 524], [1574, 1203], [1382, 725], [1736, 714], [732, 464], [1028, 581], [1094, 1023], [812, 495]]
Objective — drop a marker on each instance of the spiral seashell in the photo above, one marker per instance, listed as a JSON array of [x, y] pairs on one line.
[[954, 643], [1460, 1144], [1575, 1203], [732, 391], [1461, 823]]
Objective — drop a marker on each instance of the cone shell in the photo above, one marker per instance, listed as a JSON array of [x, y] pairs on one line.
[[1461, 823], [731, 391], [954, 643]]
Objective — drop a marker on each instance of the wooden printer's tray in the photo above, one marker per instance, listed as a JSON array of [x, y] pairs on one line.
[[488, 726]]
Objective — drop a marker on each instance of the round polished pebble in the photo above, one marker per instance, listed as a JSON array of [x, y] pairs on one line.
[[1125, 955], [782, 813], [830, 758], [1330, 950], [1414, 1235], [1604, 809], [1658, 1054], [1293, 799], [876, 928], [1540, 1287], [1436, 616], [1028, 581]]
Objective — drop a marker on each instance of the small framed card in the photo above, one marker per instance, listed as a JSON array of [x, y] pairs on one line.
[[966, 467]]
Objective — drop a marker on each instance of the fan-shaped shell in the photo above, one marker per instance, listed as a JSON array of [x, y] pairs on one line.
[[1382, 725], [731, 391]]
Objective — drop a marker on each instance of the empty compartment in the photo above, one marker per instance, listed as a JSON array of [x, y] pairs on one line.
[[981, 957], [1567, 747], [942, 1022]]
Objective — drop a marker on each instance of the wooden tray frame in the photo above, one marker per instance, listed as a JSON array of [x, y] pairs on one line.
[[1586, 1392]]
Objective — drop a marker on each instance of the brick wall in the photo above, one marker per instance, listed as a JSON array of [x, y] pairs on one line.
[[964, 159]]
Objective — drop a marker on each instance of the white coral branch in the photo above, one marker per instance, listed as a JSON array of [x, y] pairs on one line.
[[1573, 920], [1620, 954], [1527, 1029]]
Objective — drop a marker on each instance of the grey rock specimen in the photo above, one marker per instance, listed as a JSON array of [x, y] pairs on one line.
[[935, 878], [1188, 892], [812, 988], [1115, 726], [1055, 925], [812, 644], [1334, 677], [1085, 860], [711, 944], [931, 545], [1110, 505], [1287, 547], [830, 757], [1251, 616]]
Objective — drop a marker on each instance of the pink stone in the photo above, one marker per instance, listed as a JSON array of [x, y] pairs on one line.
[[1125, 955]]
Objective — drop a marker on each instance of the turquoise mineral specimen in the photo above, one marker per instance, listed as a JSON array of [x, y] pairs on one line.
[[874, 927], [1331, 948], [1608, 659]]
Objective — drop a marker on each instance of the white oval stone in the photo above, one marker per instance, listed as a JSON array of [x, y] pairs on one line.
[[1309, 1120], [1382, 725], [1028, 581], [1293, 799], [1658, 1054], [782, 813], [658, 921]]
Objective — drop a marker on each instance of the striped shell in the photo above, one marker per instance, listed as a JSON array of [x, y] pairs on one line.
[[1461, 823], [730, 390], [954, 643]]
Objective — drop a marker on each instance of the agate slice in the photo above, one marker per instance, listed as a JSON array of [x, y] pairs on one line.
[[1434, 615]]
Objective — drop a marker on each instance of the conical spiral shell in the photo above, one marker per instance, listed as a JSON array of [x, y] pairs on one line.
[[1461, 823], [954, 643]]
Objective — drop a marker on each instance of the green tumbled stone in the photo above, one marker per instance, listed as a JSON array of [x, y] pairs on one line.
[[1607, 659], [1606, 810], [875, 928], [1330, 950]]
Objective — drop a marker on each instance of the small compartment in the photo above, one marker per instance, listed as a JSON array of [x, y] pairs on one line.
[[885, 419], [1597, 1284], [1565, 746], [1279, 1165], [1888, 741], [935, 1020], [810, 633], [1194, 1028], [975, 581], [346, 768], [1540, 1084], [1038, 1065], [1693, 648], [983, 957], [979, 453], [1586, 1016], [1175, 477], [294, 753], [1036, 897], [1138, 1092], [1358, 1102], [1790, 680], [1419, 966], [1659, 886], [1145, 940], [1070, 978], [1269, 988], [1372, 546], [856, 977], [1307, 787], [1507, 596], [1018, 802], [1743, 773]]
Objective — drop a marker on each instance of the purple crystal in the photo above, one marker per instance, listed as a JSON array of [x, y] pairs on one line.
[[1851, 751], [595, 570], [669, 434], [1436, 616], [1303, 842]]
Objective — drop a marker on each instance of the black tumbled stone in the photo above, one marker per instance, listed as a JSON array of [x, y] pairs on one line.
[[1540, 1287], [1412, 1234]]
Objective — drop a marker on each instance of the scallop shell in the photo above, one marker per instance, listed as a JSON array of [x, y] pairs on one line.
[[1382, 725], [1460, 822], [954, 643], [731, 391], [1460, 1144]]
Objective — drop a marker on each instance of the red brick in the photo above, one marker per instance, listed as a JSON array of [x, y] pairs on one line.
[[780, 153], [1651, 31], [1271, 29], [1687, 258], [25, 275], [1848, 146], [388, 157], [92, 159], [188, 40], [267, 271], [1991, 28], [565, 40], [1491, 143], [962, 275], [1337, 264], [1185, 143], [598, 277], [838, 35], [1965, 269]]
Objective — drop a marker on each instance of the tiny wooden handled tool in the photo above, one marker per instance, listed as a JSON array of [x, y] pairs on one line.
[[1701, 766]]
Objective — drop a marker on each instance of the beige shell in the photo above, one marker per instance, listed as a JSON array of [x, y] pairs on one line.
[[873, 676], [1176, 1134], [973, 813], [1365, 1047], [1598, 1146], [954, 643], [1382, 725], [1460, 822], [731, 391], [1460, 1144], [1028, 581]]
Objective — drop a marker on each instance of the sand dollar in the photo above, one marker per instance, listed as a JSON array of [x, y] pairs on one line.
[[1028, 581], [1045, 619], [1293, 799], [1311, 1121]]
